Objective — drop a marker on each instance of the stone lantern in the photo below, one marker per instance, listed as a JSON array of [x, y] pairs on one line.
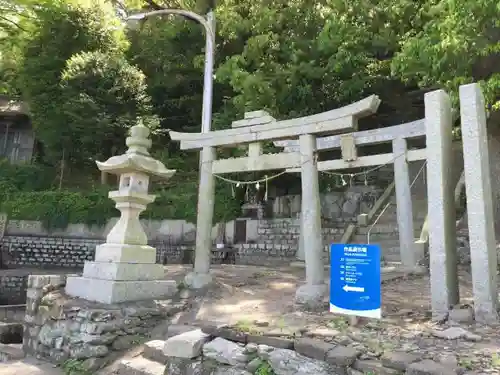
[[125, 266]]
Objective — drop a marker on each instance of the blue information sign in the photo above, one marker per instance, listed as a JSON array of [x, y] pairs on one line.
[[355, 283]]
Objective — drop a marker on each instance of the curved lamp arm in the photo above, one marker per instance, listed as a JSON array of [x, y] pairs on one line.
[[185, 13]]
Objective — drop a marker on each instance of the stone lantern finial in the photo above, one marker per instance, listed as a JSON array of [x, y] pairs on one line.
[[125, 266], [138, 142]]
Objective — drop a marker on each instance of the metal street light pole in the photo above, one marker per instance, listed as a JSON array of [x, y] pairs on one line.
[[209, 24], [200, 276]]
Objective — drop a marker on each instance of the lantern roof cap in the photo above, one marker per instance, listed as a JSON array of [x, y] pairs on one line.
[[137, 157]]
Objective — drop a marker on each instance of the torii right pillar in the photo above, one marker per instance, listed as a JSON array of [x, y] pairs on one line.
[[479, 203]]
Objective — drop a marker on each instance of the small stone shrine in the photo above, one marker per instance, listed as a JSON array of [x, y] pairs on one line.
[[125, 266]]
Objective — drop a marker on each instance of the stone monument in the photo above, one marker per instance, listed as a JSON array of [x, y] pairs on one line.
[[125, 266]]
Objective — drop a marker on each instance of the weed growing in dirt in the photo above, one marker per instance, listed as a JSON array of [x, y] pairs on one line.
[[495, 360], [74, 367], [466, 363], [246, 326], [265, 369], [338, 323]]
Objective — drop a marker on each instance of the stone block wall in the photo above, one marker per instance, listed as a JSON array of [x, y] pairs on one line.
[[59, 328], [278, 241], [47, 252], [70, 253], [13, 289]]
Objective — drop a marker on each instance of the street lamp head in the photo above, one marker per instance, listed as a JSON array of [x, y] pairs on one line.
[[135, 21]]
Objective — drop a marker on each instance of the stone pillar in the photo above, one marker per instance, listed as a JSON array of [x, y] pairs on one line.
[[404, 204], [312, 293], [479, 203], [301, 252], [441, 205], [200, 277]]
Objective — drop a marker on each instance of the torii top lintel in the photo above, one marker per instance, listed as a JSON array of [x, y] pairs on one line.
[[259, 126]]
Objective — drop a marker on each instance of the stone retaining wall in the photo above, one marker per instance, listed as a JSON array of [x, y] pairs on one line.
[[59, 328], [13, 313], [70, 253], [211, 350], [12, 289]]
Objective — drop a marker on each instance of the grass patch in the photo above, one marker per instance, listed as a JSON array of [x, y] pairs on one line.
[[74, 367]]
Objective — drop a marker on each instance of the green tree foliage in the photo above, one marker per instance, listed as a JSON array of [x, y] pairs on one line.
[[61, 31], [458, 43], [290, 57], [298, 58], [102, 97]]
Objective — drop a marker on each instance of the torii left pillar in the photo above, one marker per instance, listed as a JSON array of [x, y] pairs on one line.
[[311, 295]]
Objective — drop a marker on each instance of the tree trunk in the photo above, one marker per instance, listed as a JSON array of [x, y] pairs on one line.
[[61, 171]]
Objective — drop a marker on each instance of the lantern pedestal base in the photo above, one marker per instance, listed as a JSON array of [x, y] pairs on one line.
[[112, 291]]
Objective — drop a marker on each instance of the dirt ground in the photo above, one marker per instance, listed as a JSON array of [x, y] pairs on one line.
[[260, 299]]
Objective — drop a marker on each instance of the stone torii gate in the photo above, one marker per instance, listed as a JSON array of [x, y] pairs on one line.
[[400, 157], [255, 128], [259, 126]]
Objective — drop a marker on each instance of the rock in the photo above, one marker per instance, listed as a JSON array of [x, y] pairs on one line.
[[230, 371], [58, 356], [182, 366], [261, 323], [88, 351], [399, 360], [231, 334], [323, 332], [454, 333], [251, 348], [263, 351], [288, 362], [153, 350], [177, 329], [186, 345], [225, 352], [126, 342], [94, 364], [316, 349], [428, 367], [311, 297], [210, 327], [447, 359], [370, 366], [342, 356], [48, 334], [277, 342], [104, 339], [253, 365], [462, 315], [141, 366]]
